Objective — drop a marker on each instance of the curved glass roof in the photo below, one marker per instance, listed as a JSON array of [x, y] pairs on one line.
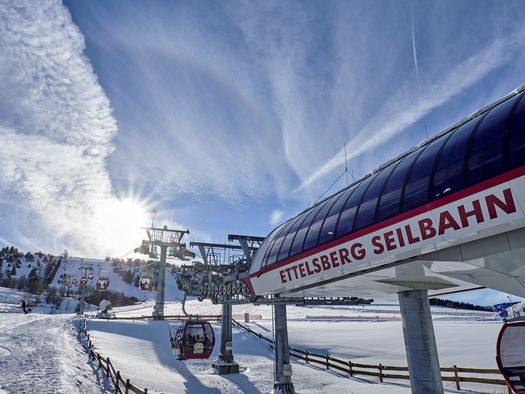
[[482, 147]]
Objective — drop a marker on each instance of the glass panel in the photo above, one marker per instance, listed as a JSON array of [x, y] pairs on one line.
[[328, 230], [517, 136], [261, 252], [390, 199], [448, 176], [315, 227], [367, 208], [346, 219], [416, 189], [297, 244], [272, 256], [486, 153], [285, 247]]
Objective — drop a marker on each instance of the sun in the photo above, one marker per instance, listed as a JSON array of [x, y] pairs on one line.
[[121, 223]]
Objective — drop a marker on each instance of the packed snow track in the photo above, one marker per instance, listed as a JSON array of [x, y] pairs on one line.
[[42, 354]]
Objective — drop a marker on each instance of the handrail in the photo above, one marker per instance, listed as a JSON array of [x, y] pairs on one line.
[[349, 367]]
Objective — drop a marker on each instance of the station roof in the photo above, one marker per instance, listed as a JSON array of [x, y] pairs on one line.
[[489, 142]]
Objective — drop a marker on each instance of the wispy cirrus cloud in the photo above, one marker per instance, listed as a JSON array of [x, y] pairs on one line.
[[56, 128], [405, 109]]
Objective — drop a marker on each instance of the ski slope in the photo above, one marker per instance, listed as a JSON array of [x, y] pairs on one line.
[[103, 268], [41, 353]]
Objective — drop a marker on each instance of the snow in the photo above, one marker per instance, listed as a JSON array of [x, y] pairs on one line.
[[41, 353], [371, 334]]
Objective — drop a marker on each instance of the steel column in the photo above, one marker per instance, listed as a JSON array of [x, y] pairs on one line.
[[226, 363], [420, 342], [283, 368], [158, 311]]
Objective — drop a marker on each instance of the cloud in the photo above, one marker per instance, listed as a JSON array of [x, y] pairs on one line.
[[56, 128], [402, 110], [276, 216]]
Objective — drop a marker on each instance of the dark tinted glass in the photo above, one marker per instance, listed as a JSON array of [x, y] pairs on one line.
[[315, 227], [272, 256], [367, 208], [486, 153], [346, 219], [416, 189], [391, 197], [262, 252], [448, 176], [517, 136], [285, 247], [297, 244], [328, 230]]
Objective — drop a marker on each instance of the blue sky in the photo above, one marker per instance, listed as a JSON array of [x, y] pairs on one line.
[[228, 117]]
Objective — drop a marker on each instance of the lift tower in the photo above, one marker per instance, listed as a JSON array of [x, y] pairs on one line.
[[170, 244]]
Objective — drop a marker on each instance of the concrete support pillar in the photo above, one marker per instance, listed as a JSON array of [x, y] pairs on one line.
[[420, 342], [158, 311], [226, 363], [283, 368]]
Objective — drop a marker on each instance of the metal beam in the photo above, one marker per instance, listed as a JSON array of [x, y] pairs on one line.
[[214, 245]]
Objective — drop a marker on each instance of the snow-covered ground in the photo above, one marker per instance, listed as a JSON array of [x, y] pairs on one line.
[[370, 334], [41, 353]]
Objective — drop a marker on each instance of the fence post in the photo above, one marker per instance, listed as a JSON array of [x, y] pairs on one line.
[[306, 354], [327, 362], [350, 368], [107, 365], [380, 373], [127, 386], [145, 391], [456, 377], [118, 381]]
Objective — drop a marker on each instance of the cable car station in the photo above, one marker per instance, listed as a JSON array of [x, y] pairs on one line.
[[445, 216]]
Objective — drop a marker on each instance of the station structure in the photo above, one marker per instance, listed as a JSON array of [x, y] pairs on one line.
[[445, 216]]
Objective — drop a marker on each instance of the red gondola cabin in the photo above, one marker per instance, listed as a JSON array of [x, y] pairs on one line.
[[510, 357], [194, 339]]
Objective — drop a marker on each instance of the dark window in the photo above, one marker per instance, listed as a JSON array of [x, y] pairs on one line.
[[285, 248], [486, 153], [448, 175], [345, 222], [367, 208], [517, 136], [328, 230], [391, 197], [315, 227], [416, 189], [272, 256], [262, 252], [297, 244]]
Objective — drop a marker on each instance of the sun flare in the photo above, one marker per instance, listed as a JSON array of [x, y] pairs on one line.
[[121, 223]]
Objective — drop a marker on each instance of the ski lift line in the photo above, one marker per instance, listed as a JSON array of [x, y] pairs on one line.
[[329, 187], [130, 268]]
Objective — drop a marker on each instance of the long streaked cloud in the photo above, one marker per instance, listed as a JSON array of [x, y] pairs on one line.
[[404, 110], [56, 128]]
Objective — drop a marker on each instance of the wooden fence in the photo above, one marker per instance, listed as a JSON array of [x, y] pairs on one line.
[[121, 385], [449, 374]]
